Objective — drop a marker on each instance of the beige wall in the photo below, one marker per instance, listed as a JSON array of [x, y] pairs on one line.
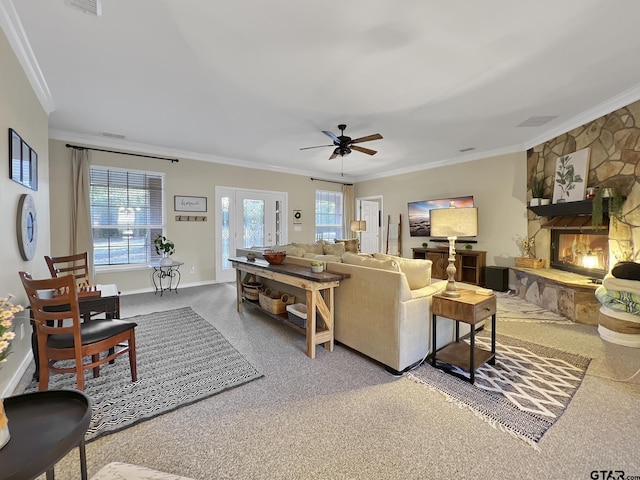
[[498, 185], [20, 110], [195, 241]]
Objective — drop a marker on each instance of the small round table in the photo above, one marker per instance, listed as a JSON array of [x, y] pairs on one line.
[[166, 277], [44, 427]]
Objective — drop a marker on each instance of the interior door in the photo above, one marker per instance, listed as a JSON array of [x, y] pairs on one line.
[[370, 238], [247, 218]]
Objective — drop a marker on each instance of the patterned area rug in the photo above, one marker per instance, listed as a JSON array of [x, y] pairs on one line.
[[524, 393], [181, 359], [512, 308]]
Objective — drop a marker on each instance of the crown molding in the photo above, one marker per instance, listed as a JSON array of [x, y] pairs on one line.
[[447, 162], [12, 27], [146, 149], [604, 108]]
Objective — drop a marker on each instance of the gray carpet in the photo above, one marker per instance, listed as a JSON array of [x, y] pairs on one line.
[[524, 393], [181, 359], [341, 416]]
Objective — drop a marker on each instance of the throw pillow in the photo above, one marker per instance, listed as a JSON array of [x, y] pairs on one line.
[[334, 249], [350, 244], [290, 250], [626, 270], [417, 271], [354, 259]]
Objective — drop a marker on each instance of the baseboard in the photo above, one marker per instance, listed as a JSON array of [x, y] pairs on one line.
[[17, 376], [182, 286]]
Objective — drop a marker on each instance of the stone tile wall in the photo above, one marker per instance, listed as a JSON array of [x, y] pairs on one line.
[[614, 142]]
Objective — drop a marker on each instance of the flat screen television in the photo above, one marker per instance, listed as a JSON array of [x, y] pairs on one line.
[[419, 223]]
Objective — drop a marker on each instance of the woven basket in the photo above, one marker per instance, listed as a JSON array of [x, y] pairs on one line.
[[274, 301], [252, 290]]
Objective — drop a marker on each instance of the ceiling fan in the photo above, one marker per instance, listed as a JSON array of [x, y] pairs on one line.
[[345, 144]]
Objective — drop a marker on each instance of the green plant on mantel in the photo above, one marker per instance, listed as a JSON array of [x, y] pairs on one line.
[[536, 184], [614, 204]]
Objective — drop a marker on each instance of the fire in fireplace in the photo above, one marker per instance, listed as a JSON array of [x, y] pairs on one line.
[[581, 252]]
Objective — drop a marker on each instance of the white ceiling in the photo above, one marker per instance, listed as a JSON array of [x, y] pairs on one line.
[[249, 82]]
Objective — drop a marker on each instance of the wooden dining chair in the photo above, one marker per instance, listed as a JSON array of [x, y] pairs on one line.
[[55, 299], [76, 265]]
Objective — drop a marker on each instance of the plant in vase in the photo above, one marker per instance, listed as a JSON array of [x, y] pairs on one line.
[[166, 248], [7, 314], [536, 184], [317, 267]]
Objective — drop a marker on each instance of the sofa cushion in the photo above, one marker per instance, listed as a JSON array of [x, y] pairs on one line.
[[290, 249], [323, 258], [350, 244], [363, 261], [334, 249], [417, 271], [316, 247]]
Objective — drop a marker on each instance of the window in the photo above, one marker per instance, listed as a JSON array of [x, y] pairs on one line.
[[127, 214], [328, 215]]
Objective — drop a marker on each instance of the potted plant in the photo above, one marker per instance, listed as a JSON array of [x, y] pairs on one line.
[[536, 184], [614, 203], [164, 247], [317, 267]]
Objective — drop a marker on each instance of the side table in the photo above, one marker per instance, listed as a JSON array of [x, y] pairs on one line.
[[470, 308], [166, 277], [44, 427]]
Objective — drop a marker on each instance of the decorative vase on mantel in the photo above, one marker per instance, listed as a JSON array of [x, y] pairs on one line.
[[165, 261], [4, 426]]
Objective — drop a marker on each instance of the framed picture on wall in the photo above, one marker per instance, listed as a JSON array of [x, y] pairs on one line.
[[183, 203], [23, 161], [570, 179]]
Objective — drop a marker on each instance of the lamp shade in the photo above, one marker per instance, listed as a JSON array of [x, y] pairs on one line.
[[454, 222], [358, 226]]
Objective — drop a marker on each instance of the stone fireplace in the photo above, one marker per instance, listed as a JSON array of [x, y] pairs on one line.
[[566, 284], [585, 252]]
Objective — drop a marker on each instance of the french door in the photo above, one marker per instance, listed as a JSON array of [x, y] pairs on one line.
[[247, 218]]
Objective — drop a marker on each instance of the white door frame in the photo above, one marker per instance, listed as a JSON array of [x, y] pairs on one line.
[[228, 275], [379, 199]]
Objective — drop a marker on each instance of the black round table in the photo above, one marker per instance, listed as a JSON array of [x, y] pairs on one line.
[[44, 427]]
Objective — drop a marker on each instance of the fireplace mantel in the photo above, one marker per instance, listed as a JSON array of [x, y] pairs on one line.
[[582, 207]]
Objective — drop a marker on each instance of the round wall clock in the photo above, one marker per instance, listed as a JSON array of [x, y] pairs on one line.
[[27, 226]]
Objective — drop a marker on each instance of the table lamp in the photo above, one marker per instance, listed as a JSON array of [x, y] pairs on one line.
[[453, 222], [359, 226]]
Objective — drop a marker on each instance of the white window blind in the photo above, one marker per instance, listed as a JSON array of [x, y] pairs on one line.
[[328, 215], [127, 214]]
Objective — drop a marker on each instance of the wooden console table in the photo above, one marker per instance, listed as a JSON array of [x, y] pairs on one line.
[[470, 264], [315, 284]]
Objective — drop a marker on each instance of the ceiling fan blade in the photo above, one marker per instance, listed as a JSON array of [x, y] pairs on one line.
[[333, 155], [368, 138], [332, 136], [317, 146], [368, 151]]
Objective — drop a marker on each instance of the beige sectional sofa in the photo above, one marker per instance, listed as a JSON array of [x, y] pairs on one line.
[[383, 309]]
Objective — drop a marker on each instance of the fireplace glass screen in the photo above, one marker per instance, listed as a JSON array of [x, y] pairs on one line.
[[579, 252]]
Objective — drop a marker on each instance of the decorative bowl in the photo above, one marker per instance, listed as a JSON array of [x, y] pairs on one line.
[[274, 258]]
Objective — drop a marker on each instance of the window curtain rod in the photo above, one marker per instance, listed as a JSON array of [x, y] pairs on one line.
[[329, 181], [77, 147]]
